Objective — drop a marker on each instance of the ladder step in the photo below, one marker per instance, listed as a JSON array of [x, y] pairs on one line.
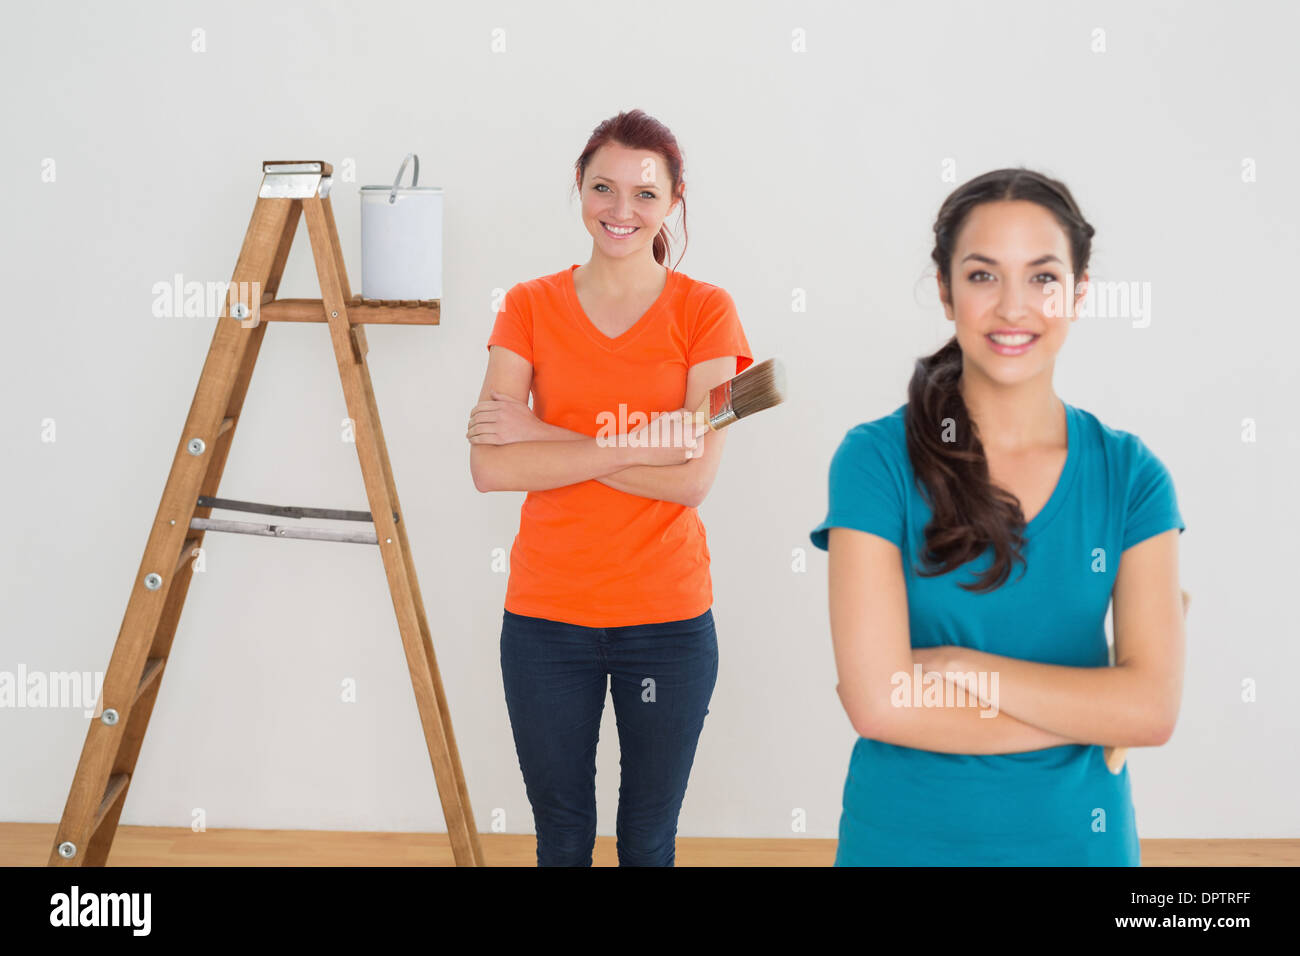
[[187, 552], [283, 531], [117, 782], [116, 787], [152, 668]]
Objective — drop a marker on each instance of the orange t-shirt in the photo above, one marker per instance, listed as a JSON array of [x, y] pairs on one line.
[[585, 553]]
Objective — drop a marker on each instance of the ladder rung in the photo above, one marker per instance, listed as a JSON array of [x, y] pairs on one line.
[[283, 531], [117, 782], [152, 668], [187, 552], [115, 789]]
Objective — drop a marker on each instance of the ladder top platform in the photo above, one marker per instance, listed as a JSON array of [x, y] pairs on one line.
[[297, 165]]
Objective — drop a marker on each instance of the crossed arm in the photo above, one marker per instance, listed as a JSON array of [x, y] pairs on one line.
[[1133, 703], [559, 456], [687, 483]]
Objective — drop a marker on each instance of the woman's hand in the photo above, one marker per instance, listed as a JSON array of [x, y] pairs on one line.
[[503, 421], [670, 438]]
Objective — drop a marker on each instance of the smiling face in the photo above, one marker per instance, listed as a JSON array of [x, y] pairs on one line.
[[1010, 322], [625, 199]]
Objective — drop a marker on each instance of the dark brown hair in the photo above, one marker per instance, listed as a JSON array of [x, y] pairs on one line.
[[970, 513], [636, 130]]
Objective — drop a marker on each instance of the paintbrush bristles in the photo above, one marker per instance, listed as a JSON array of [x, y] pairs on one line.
[[758, 387]]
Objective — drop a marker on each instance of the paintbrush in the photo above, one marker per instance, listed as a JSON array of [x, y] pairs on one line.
[[756, 388]]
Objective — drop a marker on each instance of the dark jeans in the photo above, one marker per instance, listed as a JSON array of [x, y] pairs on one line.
[[662, 677]]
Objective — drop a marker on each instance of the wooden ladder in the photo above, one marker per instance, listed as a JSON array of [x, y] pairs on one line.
[[113, 741]]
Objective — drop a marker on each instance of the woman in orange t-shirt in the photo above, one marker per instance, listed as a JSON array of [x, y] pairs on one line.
[[609, 574]]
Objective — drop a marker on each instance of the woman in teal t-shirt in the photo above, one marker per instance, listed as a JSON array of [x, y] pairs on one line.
[[976, 536]]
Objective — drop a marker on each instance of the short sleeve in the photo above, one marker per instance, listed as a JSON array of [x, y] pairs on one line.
[[865, 488], [1152, 501], [717, 332], [514, 324]]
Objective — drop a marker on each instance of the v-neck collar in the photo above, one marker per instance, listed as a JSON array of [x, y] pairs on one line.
[[1062, 489], [618, 341]]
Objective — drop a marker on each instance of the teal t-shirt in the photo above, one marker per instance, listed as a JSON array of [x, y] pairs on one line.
[[1059, 806]]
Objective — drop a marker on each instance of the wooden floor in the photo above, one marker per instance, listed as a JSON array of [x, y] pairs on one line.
[[28, 844]]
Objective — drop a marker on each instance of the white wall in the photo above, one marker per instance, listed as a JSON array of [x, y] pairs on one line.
[[818, 170]]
